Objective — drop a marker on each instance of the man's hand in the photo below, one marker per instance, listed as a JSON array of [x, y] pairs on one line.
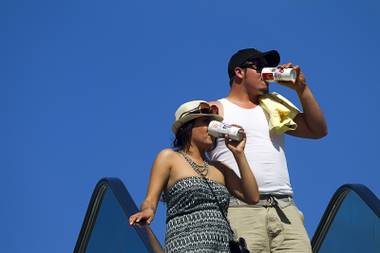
[[300, 82], [311, 122]]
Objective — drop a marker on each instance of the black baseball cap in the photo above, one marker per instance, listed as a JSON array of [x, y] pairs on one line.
[[271, 59]]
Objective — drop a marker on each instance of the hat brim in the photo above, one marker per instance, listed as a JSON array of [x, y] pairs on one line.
[[178, 123]]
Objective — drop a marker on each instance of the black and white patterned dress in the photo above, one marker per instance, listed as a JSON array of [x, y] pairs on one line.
[[194, 222]]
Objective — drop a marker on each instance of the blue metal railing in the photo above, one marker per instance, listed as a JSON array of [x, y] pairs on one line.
[[366, 198], [122, 205], [149, 243]]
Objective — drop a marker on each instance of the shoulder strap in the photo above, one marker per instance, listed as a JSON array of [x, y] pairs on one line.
[[217, 202]]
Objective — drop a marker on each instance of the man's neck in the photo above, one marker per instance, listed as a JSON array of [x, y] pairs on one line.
[[242, 98]]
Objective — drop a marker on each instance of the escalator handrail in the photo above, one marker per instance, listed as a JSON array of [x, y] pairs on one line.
[[368, 197], [128, 206]]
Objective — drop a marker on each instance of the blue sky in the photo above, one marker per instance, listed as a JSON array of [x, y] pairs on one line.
[[88, 89]]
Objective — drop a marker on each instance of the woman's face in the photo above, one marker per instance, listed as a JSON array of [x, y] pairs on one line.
[[200, 134]]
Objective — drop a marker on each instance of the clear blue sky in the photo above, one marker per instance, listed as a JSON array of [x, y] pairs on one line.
[[89, 90]]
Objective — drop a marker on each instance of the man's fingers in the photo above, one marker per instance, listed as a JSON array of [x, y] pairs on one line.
[[286, 65]]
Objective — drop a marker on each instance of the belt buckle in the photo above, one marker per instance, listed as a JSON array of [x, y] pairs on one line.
[[270, 201]]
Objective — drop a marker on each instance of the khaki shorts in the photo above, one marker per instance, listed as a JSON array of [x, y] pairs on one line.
[[263, 230]]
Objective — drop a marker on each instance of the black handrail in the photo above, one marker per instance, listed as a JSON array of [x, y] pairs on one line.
[[127, 204], [362, 191]]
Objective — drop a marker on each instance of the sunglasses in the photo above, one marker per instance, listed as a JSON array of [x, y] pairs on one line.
[[254, 66], [202, 108]]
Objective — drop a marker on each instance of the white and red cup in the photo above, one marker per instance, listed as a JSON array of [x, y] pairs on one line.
[[219, 130], [278, 74]]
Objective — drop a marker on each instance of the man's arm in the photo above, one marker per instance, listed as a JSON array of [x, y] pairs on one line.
[[311, 122]]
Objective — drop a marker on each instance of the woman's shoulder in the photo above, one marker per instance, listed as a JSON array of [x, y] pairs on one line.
[[167, 158], [167, 153]]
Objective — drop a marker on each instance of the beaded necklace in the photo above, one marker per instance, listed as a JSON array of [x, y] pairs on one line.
[[200, 169]]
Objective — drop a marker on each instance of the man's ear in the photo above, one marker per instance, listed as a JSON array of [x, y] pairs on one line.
[[239, 72]]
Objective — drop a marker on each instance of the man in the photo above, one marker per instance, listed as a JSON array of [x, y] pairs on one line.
[[274, 224]]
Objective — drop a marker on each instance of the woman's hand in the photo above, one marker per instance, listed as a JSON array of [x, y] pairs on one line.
[[236, 147], [145, 215]]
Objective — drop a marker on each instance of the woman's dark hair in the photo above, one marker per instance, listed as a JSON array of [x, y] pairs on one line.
[[182, 139], [183, 136]]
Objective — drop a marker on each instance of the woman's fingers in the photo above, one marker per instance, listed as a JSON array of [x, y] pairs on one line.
[[140, 218], [135, 218], [132, 219], [227, 140]]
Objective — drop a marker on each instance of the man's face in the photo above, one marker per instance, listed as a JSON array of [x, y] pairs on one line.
[[252, 79]]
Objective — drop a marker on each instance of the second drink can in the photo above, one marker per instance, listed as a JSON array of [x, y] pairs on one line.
[[219, 129]]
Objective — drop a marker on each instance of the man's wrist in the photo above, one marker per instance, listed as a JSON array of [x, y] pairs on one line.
[[300, 88]]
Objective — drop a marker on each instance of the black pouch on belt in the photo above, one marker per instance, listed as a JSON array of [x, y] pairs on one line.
[[238, 246]]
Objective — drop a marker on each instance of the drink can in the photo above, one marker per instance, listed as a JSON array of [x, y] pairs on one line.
[[219, 129], [278, 74]]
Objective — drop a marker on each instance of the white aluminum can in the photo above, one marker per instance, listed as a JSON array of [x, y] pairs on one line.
[[278, 74], [219, 129]]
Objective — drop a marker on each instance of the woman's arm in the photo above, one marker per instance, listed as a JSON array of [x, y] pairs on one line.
[[159, 177], [244, 188]]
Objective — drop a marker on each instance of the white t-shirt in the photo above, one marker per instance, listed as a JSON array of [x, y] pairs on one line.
[[264, 150]]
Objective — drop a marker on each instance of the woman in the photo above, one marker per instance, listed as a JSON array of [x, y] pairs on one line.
[[196, 190]]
